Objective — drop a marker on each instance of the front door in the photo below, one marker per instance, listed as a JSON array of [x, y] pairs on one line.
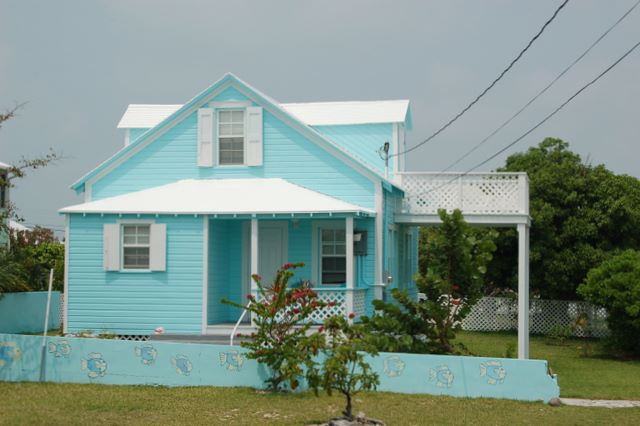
[[272, 249], [272, 253]]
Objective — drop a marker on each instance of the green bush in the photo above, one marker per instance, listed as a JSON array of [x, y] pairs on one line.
[[615, 285], [453, 262]]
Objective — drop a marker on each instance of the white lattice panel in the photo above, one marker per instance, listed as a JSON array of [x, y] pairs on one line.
[[477, 193], [61, 311], [337, 296], [359, 303], [500, 313]]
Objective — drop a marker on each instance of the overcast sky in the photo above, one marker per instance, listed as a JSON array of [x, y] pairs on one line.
[[78, 64]]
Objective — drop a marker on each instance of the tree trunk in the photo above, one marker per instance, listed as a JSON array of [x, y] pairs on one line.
[[347, 410]]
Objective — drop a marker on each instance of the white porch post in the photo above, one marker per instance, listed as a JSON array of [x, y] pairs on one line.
[[350, 284], [254, 257], [523, 291]]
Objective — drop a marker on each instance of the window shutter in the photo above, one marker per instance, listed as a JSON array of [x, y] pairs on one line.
[[205, 137], [111, 247], [254, 136], [158, 247]]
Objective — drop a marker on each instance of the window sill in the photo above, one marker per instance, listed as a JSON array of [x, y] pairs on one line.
[[135, 271]]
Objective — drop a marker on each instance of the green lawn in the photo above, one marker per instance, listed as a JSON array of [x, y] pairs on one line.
[[588, 377], [53, 404], [595, 376]]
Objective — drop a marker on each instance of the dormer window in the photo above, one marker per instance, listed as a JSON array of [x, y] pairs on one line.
[[231, 137]]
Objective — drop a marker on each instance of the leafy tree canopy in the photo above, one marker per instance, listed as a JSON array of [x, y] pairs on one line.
[[581, 214]]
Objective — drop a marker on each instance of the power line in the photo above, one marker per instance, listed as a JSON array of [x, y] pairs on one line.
[[493, 83], [544, 120], [541, 92]]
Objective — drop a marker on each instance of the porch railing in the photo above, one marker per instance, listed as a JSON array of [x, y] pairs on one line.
[[344, 298], [472, 193], [345, 301]]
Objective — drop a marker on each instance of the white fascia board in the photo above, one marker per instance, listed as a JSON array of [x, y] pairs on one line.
[[153, 138], [316, 137]]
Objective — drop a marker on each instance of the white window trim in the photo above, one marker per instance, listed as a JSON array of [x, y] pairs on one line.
[[316, 250], [123, 223], [217, 136]]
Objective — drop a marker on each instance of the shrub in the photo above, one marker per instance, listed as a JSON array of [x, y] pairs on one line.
[[281, 319], [615, 285], [453, 261], [344, 369]]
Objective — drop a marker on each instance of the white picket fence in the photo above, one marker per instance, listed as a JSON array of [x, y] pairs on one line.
[[501, 313]]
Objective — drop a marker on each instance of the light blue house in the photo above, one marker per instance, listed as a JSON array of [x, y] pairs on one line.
[[232, 183]]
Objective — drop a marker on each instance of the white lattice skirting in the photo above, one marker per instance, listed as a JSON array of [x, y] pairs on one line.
[[501, 313]]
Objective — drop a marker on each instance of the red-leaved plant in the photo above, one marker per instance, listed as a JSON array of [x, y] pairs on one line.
[[281, 317]]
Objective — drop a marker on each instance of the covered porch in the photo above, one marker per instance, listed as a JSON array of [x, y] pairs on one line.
[[285, 223], [239, 247]]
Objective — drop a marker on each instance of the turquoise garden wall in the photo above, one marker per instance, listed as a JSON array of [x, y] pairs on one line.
[[25, 312], [171, 364]]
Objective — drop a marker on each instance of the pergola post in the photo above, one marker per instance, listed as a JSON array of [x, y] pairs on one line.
[[523, 291], [254, 257], [350, 283]]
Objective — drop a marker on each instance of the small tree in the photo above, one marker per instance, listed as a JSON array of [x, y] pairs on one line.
[[282, 317], [615, 285], [453, 262], [344, 369]]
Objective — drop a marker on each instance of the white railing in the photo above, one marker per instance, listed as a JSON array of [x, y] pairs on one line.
[[342, 299], [340, 296], [472, 193]]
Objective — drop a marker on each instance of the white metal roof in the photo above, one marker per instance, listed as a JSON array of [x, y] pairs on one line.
[[17, 226], [146, 116], [221, 196], [356, 112], [4, 165], [143, 116]]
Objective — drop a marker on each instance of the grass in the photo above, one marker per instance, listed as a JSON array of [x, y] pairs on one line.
[[67, 404], [588, 377], [597, 376]]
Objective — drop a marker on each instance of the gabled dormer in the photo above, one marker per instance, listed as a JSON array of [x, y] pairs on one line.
[[228, 130]]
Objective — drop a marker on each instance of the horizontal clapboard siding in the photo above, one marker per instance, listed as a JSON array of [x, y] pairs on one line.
[[135, 302], [287, 154], [363, 140]]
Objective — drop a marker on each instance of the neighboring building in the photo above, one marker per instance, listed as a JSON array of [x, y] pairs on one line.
[[4, 204], [232, 183]]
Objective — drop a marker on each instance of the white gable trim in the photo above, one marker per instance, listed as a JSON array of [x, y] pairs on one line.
[[270, 106], [314, 136], [135, 150]]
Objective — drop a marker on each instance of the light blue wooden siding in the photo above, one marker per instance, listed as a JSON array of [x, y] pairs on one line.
[[135, 134], [391, 246], [365, 265], [363, 140], [225, 269], [287, 154], [135, 302], [300, 249]]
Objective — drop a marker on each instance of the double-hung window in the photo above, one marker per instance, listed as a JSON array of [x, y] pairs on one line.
[[231, 137], [136, 246], [333, 257]]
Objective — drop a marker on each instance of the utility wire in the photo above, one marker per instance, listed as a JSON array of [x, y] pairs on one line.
[[554, 112], [493, 83], [540, 93]]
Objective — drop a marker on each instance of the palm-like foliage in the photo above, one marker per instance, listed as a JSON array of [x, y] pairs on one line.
[[12, 275]]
